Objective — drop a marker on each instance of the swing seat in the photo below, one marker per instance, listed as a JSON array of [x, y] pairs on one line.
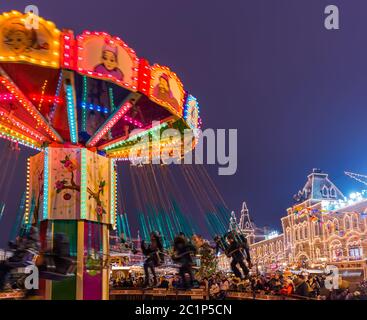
[[22, 259]]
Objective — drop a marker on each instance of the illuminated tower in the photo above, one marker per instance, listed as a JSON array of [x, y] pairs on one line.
[[246, 225]]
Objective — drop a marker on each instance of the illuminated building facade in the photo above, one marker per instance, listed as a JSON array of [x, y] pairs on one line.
[[322, 228]]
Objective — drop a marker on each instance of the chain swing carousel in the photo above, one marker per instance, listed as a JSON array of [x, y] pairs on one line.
[[84, 102]]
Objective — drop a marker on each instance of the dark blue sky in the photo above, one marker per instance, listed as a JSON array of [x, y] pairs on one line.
[[295, 91]]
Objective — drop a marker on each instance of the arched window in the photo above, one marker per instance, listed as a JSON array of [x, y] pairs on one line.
[[355, 221], [347, 223], [280, 245], [318, 253], [355, 250], [330, 228], [336, 226], [305, 231], [325, 191], [316, 227], [336, 250], [332, 192], [288, 235]]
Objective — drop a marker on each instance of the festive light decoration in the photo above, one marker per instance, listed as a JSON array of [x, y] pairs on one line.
[[6, 97], [116, 144], [83, 184], [45, 184], [14, 136], [70, 103], [116, 41], [111, 121], [112, 99], [158, 70], [57, 99], [113, 191], [68, 190], [94, 107], [272, 235], [192, 112], [26, 215], [144, 76], [68, 43], [32, 110], [84, 103], [42, 98], [53, 58], [133, 121], [6, 116]]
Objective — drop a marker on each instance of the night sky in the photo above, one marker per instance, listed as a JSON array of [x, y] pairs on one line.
[[295, 91]]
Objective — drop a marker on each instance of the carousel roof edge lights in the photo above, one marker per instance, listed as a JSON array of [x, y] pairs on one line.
[[89, 90]]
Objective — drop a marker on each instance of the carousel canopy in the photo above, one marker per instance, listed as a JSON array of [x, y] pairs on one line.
[[89, 90]]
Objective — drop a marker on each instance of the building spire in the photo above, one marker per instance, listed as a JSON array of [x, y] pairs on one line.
[[245, 221]]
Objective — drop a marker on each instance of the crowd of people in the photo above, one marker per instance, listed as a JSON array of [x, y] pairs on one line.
[[295, 286], [220, 284]]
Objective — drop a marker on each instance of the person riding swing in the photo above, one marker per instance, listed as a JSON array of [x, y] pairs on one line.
[[183, 252], [155, 257], [237, 247]]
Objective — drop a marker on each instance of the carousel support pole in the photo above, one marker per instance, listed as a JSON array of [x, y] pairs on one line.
[[80, 261], [106, 269]]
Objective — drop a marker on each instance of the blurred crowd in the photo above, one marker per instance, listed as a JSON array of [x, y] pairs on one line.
[[295, 286]]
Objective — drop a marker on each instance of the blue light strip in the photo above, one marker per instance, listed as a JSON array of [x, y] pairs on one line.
[[187, 110], [45, 184], [73, 125], [94, 107]]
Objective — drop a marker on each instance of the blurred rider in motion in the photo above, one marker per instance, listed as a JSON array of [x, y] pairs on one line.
[[154, 254]]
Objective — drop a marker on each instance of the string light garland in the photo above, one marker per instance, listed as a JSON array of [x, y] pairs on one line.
[[191, 110], [116, 144], [84, 103], [46, 184], [133, 121], [83, 184], [14, 136], [72, 118], [90, 106], [6, 116], [31, 109], [26, 215], [113, 191]]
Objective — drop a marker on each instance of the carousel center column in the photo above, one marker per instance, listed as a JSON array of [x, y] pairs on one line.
[[72, 190]]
